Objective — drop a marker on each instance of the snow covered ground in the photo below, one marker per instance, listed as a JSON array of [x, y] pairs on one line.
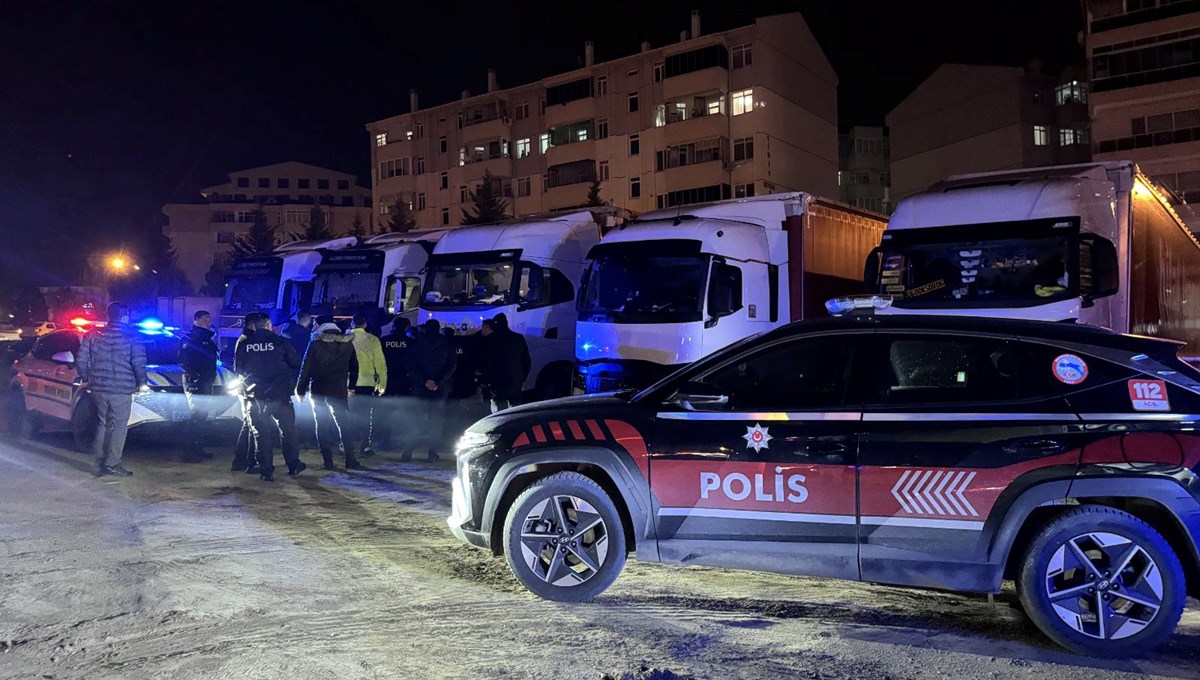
[[189, 571]]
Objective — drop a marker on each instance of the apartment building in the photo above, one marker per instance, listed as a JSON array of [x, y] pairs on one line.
[[967, 118], [865, 175], [743, 112], [202, 231], [1144, 59]]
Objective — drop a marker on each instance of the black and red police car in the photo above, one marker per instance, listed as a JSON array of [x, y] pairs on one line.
[[940, 452]]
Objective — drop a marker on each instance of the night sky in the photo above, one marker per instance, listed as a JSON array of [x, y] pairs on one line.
[[110, 109]]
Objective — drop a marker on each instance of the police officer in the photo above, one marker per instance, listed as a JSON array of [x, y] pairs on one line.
[[268, 363], [431, 364], [372, 382], [198, 359], [395, 408]]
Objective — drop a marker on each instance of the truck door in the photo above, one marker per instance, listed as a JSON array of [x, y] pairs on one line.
[[765, 480]]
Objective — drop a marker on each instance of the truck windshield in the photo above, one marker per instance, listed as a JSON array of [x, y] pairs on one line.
[[249, 292], [985, 273], [469, 285], [623, 286], [342, 289]]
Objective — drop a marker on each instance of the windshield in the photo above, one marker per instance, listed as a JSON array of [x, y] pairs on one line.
[[161, 348], [469, 285], [627, 287], [342, 289], [991, 272], [251, 292]]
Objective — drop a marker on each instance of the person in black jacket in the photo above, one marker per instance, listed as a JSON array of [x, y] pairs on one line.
[[198, 359], [506, 363], [395, 409], [431, 363], [330, 371], [268, 363], [299, 332]]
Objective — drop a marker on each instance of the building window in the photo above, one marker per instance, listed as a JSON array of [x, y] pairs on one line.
[[264, 183], [445, 217], [544, 141], [381, 139], [1071, 136], [295, 216], [743, 190], [303, 183], [602, 128], [442, 144], [348, 201], [243, 182], [522, 110], [225, 237], [523, 186], [283, 183], [690, 154], [223, 216], [743, 101], [742, 56], [743, 149], [1041, 136], [322, 184], [444, 181], [603, 176], [658, 72], [462, 194], [633, 102], [419, 166], [343, 185], [1073, 92], [245, 216], [635, 187], [635, 145], [524, 148], [542, 106], [420, 130], [601, 86], [420, 201]]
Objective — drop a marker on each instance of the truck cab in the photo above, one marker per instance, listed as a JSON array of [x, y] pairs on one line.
[[380, 278]]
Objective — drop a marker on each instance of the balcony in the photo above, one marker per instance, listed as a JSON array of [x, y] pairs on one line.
[[485, 120], [563, 114], [571, 142], [714, 79], [566, 196], [695, 153], [577, 172]]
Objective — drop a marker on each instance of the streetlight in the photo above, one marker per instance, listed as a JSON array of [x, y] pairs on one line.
[[117, 263]]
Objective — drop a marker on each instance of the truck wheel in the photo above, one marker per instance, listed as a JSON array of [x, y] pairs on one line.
[[21, 423], [563, 538], [84, 421], [1102, 582]]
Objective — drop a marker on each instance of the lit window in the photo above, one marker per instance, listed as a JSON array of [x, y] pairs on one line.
[[462, 156], [408, 135], [581, 134], [1073, 92], [523, 186], [601, 86], [635, 145], [635, 187], [633, 102], [743, 149], [715, 106], [420, 201], [742, 56], [381, 139], [524, 148], [603, 171], [544, 141], [1041, 136], [743, 101], [383, 208], [602, 128]]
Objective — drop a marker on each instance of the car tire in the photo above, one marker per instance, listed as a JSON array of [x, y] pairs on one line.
[[22, 423], [1079, 571], [563, 538], [84, 421]]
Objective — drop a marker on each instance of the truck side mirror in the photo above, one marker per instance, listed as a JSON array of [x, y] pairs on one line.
[[1099, 275], [724, 293]]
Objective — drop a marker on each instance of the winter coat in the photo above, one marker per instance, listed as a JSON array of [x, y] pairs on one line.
[[431, 357], [330, 367], [112, 359], [395, 355], [506, 362], [198, 359], [298, 335], [372, 366], [267, 363]]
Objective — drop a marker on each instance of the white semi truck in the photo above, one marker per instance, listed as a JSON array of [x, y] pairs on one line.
[[381, 278], [1095, 243], [278, 284], [527, 268], [676, 285]]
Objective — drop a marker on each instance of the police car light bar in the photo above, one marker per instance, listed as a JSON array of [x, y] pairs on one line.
[[841, 306], [150, 325]]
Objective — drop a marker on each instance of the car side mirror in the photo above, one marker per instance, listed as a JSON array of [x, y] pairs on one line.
[[63, 357], [698, 396]]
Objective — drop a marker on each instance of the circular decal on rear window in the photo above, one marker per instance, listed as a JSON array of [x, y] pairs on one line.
[[1070, 369]]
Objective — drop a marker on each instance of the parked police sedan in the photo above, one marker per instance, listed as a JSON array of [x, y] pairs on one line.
[[45, 386], [936, 452]]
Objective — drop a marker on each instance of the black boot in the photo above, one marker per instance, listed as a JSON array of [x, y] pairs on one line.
[[353, 464], [297, 469], [267, 476], [327, 458], [433, 456]]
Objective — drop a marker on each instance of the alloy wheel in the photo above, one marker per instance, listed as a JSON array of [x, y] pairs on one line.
[[1104, 585], [564, 540]]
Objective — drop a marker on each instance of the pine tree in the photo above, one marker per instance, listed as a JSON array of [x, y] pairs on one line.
[[357, 228], [400, 217], [318, 228], [487, 202], [259, 240], [593, 197]]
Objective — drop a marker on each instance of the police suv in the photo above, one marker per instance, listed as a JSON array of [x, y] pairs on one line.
[[45, 385], [937, 452]]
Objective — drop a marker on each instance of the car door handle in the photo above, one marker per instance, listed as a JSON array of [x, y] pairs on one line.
[[1042, 447], [822, 448]]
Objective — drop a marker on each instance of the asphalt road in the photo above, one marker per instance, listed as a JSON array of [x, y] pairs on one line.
[[190, 571]]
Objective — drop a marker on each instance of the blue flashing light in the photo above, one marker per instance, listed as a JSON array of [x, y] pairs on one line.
[[150, 325]]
